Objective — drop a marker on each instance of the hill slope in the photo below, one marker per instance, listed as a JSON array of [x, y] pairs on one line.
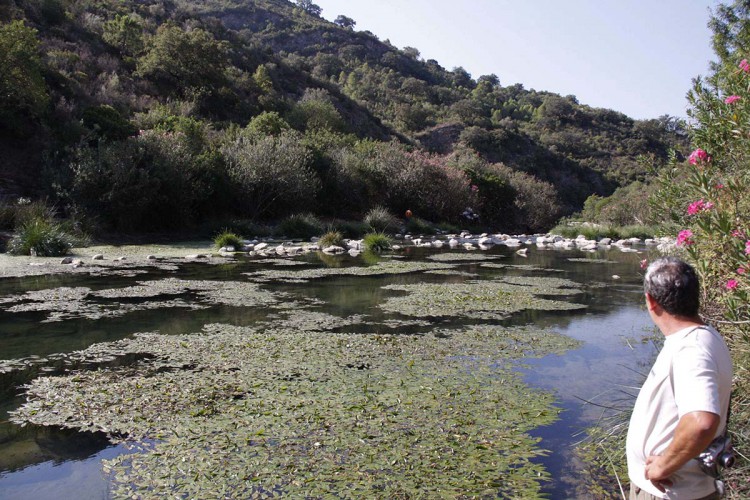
[[94, 74]]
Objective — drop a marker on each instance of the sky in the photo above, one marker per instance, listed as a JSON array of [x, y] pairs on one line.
[[634, 56]]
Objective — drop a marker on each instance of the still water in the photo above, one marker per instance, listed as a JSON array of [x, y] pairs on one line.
[[43, 463]]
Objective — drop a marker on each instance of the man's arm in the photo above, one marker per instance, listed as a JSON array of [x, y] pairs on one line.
[[694, 433]]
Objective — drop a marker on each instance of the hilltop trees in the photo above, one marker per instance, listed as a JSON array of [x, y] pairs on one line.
[[23, 90], [345, 22]]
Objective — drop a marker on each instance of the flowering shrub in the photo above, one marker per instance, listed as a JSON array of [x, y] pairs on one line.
[[715, 228]]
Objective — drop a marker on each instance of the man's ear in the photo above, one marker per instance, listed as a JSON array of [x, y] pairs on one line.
[[651, 303]]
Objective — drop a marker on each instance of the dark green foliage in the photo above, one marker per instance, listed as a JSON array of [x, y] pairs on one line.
[[217, 72], [303, 226], [272, 175], [184, 60], [24, 93], [267, 123], [345, 22], [124, 32], [108, 123], [415, 225], [153, 181]]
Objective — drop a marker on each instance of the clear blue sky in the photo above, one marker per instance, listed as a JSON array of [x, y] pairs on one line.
[[634, 56]]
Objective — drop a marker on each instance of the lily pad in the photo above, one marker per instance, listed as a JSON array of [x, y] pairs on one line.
[[239, 412]]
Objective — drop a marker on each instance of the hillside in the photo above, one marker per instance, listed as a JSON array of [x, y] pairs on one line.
[[173, 106]]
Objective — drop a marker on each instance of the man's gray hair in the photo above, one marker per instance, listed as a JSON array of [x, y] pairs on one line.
[[674, 285]]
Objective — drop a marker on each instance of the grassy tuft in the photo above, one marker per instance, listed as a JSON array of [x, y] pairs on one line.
[[380, 220], [41, 237], [332, 238], [377, 242], [228, 239]]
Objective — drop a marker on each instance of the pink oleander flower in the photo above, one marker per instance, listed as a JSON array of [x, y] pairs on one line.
[[747, 247], [719, 186], [732, 284], [698, 156], [683, 238], [474, 188], [644, 263], [732, 99], [737, 233], [699, 206], [741, 270], [745, 66]]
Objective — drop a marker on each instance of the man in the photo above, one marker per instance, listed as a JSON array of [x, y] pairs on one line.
[[684, 402]]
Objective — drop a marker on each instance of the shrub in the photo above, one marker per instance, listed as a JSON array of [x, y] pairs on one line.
[[303, 226], [381, 220], [228, 239], [331, 238], [351, 229], [41, 237], [377, 242], [152, 181], [415, 225], [273, 175]]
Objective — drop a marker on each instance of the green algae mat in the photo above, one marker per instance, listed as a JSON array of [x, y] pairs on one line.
[[237, 412]]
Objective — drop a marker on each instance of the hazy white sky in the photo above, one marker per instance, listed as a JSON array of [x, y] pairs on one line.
[[634, 56]]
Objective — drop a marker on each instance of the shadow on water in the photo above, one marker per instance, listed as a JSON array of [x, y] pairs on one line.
[[47, 463]]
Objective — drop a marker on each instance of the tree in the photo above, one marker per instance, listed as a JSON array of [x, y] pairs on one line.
[[125, 33], [23, 93], [345, 22], [309, 7], [184, 59]]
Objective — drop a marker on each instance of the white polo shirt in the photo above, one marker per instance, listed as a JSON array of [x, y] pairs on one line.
[[693, 372]]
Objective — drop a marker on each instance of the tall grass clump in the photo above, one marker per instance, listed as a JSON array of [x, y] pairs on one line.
[[377, 242], [41, 237], [303, 226], [228, 239], [331, 238], [380, 220]]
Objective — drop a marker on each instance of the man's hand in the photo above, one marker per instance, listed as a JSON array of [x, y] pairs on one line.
[[656, 473], [694, 432]]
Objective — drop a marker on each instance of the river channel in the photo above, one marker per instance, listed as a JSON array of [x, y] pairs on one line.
[[607, 321]]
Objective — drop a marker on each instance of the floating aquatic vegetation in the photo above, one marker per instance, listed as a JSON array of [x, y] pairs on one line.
[[236, 412], [282, 262], [520, 267], [592, 261], [477, 299], [457, 257], [68, 303], [306, 320], [452, 272], [381, 268], [544, 285]]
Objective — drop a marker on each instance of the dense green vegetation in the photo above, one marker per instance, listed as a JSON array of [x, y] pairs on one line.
[[165, 114]]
